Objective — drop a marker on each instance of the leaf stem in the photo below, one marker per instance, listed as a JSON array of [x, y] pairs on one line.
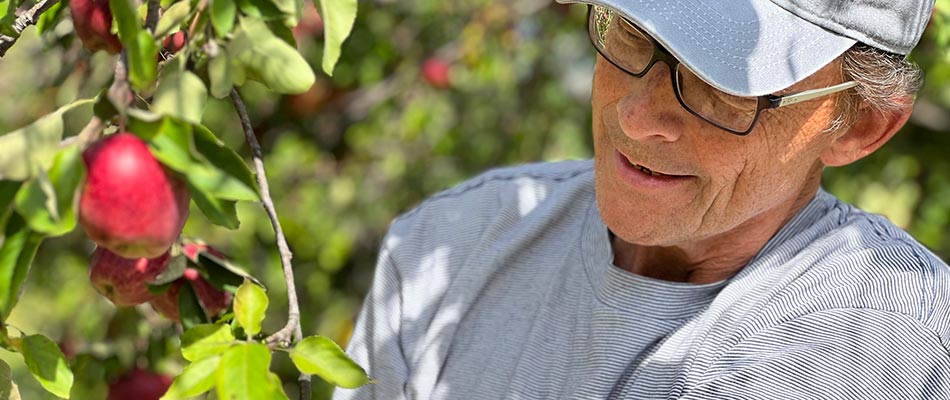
[[30, 17]]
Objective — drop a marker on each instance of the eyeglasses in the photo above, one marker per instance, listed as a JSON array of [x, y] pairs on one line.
[[627, 47]]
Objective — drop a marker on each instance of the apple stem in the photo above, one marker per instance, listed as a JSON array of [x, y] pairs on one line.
[[120, 93], [290, 333], [29, 17]]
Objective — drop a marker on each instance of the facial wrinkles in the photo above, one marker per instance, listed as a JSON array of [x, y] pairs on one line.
[[664, 157]]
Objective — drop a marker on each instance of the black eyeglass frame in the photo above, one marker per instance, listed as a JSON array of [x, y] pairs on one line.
[[660, 53]]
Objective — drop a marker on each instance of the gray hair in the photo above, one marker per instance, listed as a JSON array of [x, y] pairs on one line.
[[887, 83]]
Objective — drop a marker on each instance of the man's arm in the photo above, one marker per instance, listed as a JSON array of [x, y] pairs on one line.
[[375, 344], [833, 354]]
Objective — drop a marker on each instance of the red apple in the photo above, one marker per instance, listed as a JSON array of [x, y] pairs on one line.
[[176, 41], [191, 274], [130, 204], [193, 249], [436, 72], [310, 24], [92, 21], [122, 280], [212, 299], [139, 384]]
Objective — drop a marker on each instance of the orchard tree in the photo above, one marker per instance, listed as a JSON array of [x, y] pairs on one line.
[[129, 176]]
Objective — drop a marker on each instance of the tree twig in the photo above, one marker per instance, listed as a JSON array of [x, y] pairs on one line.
[[151, 16], [291, 330], [29, 17], [194, 22]]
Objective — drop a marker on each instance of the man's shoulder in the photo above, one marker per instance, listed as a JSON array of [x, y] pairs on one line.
[[492, 209], [866, 263], [518, 190]]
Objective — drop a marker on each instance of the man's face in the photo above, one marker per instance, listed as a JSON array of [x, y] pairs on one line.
[[718, 183]]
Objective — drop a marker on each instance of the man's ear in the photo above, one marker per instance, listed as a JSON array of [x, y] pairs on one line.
[[872, 130]]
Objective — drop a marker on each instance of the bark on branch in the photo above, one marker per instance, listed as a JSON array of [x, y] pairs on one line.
[[290, 333], [27, 18]]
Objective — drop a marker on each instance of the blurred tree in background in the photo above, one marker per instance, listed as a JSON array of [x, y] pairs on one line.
[[427, 94]]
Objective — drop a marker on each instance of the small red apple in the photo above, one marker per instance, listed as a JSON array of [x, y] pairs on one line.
[[130, 204], [124, 281], [92, 21], [191, 274], [436, 71], [311, 24], [176, 41], [193, 249], [139, 384], [213, 299]]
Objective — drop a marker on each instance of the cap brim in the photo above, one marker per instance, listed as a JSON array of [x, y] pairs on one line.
[[743, 47]]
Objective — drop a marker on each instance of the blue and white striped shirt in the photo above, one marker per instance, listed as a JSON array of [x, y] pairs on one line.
[[503, 288]]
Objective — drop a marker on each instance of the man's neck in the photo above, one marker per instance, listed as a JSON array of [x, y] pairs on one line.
[[711, 259]]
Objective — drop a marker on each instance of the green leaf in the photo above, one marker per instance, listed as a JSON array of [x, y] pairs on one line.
[[47, 363], [244, 374], [338, 18], [8, 190], [89, 373], [128, 22], [289, 10], [143, 61], [195, 379], [16, 254], [219, 212], [318, 355], [8, 388], [33, 147], [181, 94], [250, 306], [234, 179], [207, 164], [173, 17], [223, 13], [220, 72], [103, 108], [206, 340], [190, 312], [49, 202], [269, 59], [175, 269], [171, 143], [224, 274], [48, 21], [261, 9]]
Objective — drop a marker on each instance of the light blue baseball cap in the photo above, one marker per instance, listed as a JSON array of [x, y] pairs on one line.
[[757, 47]]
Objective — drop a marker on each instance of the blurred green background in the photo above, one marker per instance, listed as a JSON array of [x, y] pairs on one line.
[[375, 139]]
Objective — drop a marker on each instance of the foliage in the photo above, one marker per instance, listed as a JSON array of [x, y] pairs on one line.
[[362, 146]]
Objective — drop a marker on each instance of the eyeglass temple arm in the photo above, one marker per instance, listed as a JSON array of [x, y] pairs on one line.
[[781, 101]]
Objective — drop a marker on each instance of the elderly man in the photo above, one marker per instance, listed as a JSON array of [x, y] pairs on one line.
[[696, 257]]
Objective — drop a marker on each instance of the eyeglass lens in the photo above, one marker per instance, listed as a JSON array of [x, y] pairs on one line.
[[631, 49]]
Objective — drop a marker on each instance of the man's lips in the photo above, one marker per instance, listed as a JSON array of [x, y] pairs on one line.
[[642, 167]]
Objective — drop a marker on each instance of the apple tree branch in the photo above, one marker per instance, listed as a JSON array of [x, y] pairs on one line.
[[27, 18]]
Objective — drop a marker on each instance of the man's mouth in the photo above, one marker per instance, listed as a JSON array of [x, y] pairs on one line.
[[645, 169]]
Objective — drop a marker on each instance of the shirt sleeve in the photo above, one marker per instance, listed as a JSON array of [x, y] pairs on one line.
[[375, 344], [833, 354]]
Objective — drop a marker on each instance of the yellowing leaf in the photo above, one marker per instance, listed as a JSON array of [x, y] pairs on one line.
[[250, 304]]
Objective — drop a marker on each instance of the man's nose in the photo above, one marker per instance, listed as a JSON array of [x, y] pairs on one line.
[[649, 110]]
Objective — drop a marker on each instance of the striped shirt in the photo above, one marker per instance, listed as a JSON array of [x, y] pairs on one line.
[[503, 288]]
